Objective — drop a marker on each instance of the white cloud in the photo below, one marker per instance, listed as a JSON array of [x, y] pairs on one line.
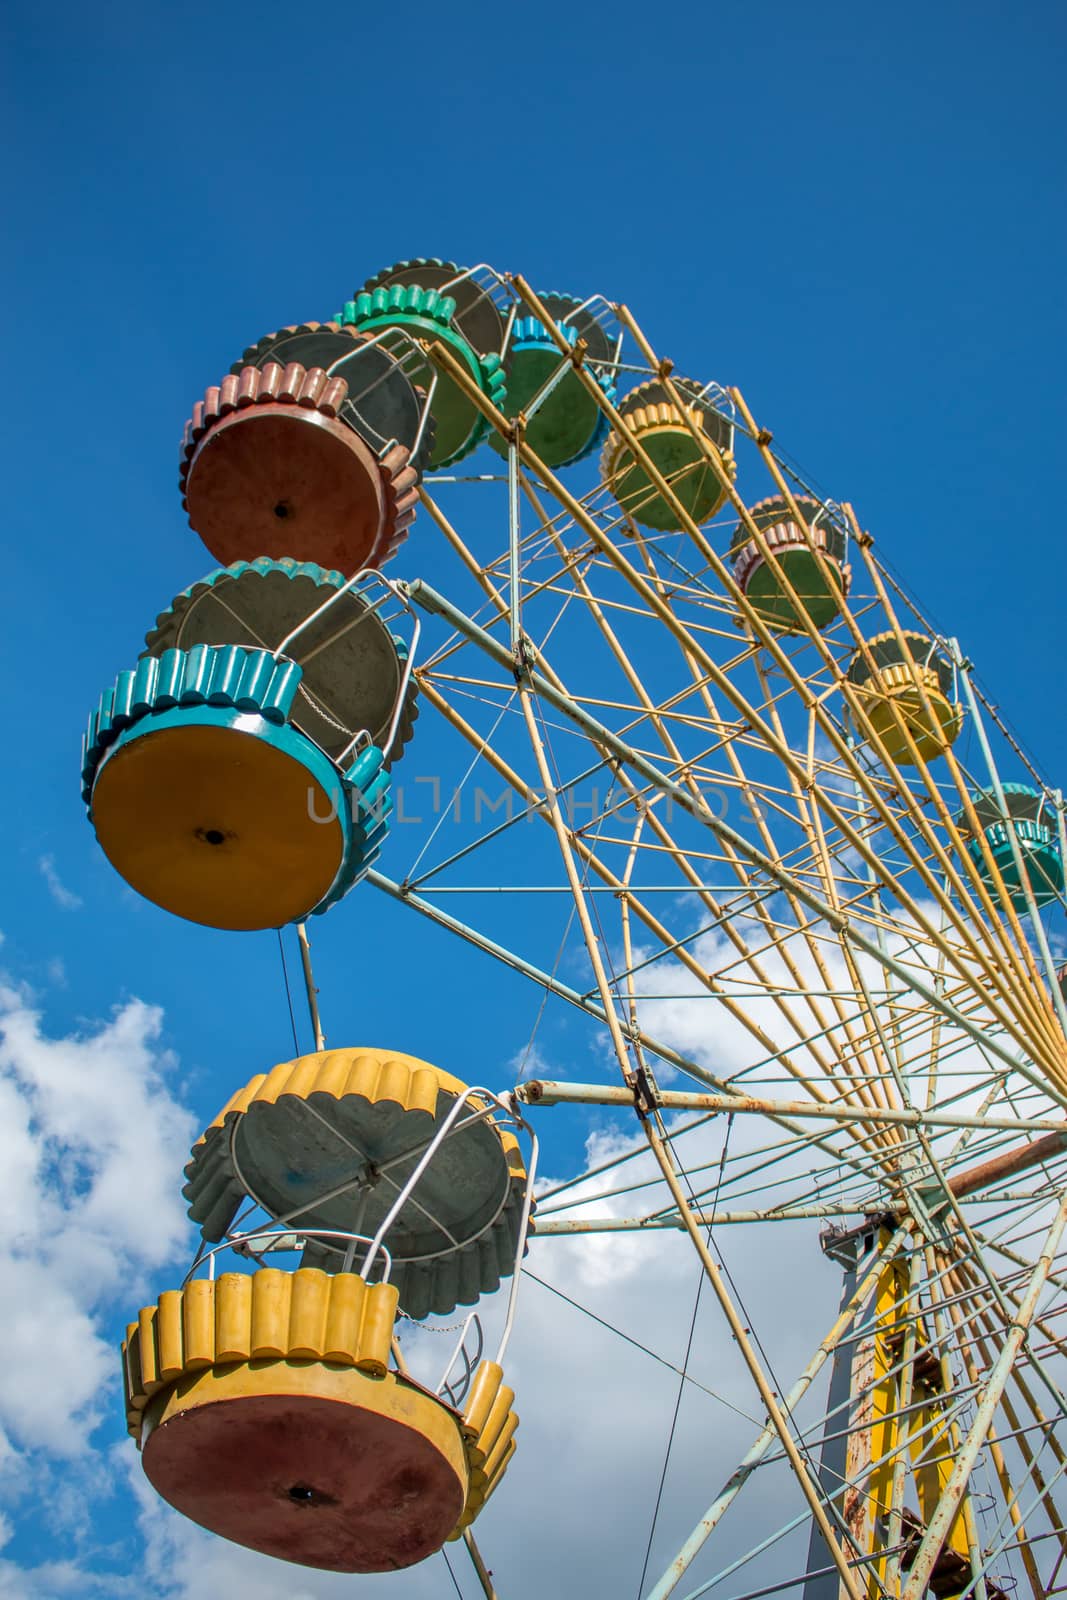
[[56, 887], [531, 1062], [91, 1145]]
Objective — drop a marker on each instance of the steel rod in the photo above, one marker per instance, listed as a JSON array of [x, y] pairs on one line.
[[545, 1092], [546, 1228], [309, 986], [485, 1577]]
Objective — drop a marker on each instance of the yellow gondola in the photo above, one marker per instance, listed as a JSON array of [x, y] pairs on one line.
[[907, 681], [266, 1410], [328, 1140], [666, 431]]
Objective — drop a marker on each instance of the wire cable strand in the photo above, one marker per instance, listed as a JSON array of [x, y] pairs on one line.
[[288, 992], [452, 1575]]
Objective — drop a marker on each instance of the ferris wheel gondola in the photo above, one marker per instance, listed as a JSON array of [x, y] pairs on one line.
[[1020, 836], [269, 1406], [564, 423], [812, 561], [355, 670], [276, 461], [209, 800], [478, 316], [328, 1141], [407, 316], [907, 688], [669, 436]]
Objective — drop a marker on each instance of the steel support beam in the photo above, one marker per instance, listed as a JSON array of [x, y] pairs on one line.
[[422, 594], [544, 1092]]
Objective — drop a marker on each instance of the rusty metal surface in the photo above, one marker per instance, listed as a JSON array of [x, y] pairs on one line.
[[269, 469], [309, 1480], [273, 383], [1008, 1164]]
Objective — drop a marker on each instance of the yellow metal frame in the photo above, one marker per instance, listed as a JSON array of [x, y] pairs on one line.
[[898, 1418]]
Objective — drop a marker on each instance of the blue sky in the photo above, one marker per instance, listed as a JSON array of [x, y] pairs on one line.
[[856, 215]]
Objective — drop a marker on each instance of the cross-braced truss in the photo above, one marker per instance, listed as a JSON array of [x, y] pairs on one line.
[[737, 830]]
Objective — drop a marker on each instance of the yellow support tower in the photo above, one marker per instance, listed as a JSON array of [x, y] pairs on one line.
[[897, 1432]]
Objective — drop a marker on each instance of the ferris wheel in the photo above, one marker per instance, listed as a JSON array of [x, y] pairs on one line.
[[673, 692]]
